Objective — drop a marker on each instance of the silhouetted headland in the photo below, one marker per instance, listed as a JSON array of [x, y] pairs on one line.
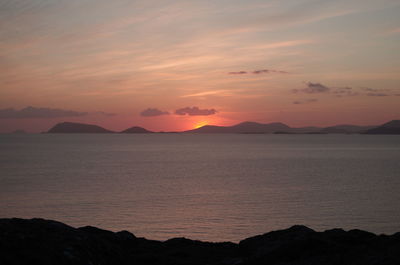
[[346, 129], [73, 127], [278, 128], [244, 127], [392, 127], [46, 242], [136, 129]]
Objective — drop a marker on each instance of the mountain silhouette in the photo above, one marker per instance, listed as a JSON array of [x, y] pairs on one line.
[[244, 127], [391, 127], [136, 129], [346, 129], [73, 127], [278, 128]]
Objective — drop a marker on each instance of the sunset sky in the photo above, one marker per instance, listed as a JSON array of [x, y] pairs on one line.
[[176, 65]]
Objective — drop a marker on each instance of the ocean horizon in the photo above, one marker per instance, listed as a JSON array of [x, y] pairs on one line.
[[207, 187]]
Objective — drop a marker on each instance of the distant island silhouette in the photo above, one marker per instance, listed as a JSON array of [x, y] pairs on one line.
[[72, 127], [392, 127], [47, 242], [136, 129]]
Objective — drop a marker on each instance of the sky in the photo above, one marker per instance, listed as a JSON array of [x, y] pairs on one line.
[[175, 65]]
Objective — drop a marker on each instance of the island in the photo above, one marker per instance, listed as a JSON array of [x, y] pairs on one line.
[[392, 127], [73, 127]]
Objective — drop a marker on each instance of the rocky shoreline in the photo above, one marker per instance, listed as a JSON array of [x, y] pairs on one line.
[[39, 241]]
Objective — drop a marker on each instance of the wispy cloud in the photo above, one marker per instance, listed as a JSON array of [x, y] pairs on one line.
[[313, 88], [195, 111], [305, 101], [377, 94], [205, 93], [257, 72], [33, 112], [283, 44], [153, 112], [102, 113], [344, 91], [268, 71], [370, 89], [238, 73]]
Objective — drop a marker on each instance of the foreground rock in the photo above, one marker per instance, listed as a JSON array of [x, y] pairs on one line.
[[39, 241]]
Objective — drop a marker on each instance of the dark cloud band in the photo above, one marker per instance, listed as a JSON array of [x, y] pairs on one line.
[[32, 112], [257, 72], [195, 111], [153, 112]]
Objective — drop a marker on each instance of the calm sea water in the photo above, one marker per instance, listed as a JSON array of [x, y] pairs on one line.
[[208, 187]]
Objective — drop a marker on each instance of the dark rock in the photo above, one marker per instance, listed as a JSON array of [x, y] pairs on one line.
[[39, 241]]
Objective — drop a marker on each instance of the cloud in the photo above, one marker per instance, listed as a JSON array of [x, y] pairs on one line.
[[153, 112], [370, 89], [195, 111], [344, 91], [377, 94], [257, 72], [103, 113], [315, 88], [205, 93], [305, 101], [33, 112], [266, 71], [238, 73]]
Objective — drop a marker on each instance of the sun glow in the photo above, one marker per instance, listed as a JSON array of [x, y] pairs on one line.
[[200, 124]]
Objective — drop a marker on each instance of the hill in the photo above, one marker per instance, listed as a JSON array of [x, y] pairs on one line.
[[278, 128], [136, 129], [346, 129], [73, 127], [391, 127], [244, 127]]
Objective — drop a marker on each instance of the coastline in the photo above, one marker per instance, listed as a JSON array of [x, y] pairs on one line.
[[40, 241]]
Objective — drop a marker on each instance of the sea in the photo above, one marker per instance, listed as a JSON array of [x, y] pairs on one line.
[[210, 187]]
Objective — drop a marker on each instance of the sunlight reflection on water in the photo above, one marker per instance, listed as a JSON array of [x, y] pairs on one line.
[[208, 187]]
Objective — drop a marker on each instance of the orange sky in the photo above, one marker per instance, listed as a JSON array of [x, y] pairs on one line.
[[299, 62]]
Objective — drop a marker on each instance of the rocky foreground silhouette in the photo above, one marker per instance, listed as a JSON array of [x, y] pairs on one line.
[[39, 241]]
